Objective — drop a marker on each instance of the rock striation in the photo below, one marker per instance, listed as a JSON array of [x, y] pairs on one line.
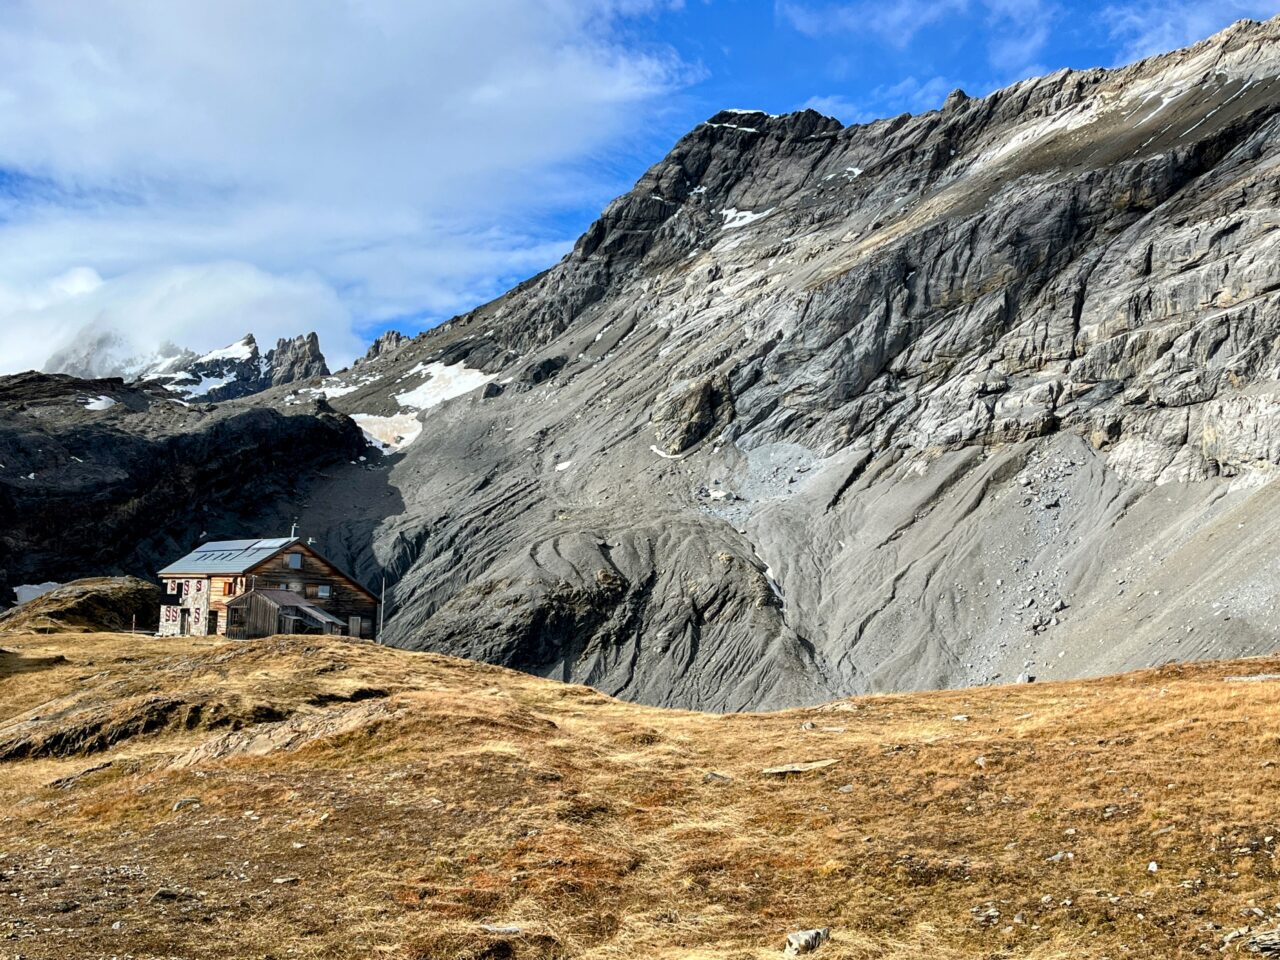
[[944, 399], [98, 477], [984, 393]]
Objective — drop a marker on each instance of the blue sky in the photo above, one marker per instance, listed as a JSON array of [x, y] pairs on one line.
[[192, 171]]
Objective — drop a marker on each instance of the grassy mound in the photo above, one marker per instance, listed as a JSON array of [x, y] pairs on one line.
[[97, 603], [418, 807]]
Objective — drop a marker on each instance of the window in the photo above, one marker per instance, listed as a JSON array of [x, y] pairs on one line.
[[324, 591], [293, 561]]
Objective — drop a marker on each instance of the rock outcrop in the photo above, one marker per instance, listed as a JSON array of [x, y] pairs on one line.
[[814, 410], [103, 478], [385, 345], [97, 603], [937, 400], [295, 360], [234, 371]]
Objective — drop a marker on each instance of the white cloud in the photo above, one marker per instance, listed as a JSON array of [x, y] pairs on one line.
[[842, 108], [300, 165], [178, 303], [1144, 28], [1019, 33], [1016, 31]]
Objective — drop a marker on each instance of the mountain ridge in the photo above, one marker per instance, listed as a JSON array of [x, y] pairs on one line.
[[816, 410], [237, 370]]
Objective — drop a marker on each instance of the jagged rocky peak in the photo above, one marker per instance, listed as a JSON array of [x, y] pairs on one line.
[[815, 409], [386, 345], [296, 359], [236, 370]]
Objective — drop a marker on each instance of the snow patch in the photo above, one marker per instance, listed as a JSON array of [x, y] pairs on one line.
[[330, 392], [733, 126], [664, 454], [209, 384], [734, 218], [564, 466], [241, 350], [445, 383], [389, 433], [101, 403]]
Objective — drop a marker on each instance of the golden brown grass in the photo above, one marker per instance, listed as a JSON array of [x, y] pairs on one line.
[[360, 801]]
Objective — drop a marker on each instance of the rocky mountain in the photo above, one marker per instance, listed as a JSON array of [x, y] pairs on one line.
[[237, 370], [100, 477], [976, 395]]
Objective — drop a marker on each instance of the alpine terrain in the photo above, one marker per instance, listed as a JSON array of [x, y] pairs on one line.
[[984, 394], [234, 371]]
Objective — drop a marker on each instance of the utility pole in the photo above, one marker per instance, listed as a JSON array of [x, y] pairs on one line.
[[382, 608]]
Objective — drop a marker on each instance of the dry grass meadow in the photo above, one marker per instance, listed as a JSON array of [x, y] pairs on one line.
[[311, 798]]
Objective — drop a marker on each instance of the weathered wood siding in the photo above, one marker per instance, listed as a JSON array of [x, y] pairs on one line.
[[347, 599], [259, 617]]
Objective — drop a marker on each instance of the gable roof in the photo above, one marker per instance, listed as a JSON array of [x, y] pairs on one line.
[[227, 556]]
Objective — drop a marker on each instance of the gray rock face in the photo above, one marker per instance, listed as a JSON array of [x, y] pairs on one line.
[[815, 410], [295, 360], [238, 370], [102, 478], [385, 345], [955, 398]]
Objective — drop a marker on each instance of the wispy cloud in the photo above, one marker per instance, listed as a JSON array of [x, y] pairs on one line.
[[909, 95], [1018, 30], [894, 23], [296, 164], [1015, 33], [1147, 27]]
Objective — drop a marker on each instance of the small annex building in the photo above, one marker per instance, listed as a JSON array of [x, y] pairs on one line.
[[245, 589]]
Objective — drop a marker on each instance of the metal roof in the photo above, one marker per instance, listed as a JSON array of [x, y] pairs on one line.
[[227, 556]]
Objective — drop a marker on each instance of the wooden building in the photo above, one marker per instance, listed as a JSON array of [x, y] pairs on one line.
[[242, 589]]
